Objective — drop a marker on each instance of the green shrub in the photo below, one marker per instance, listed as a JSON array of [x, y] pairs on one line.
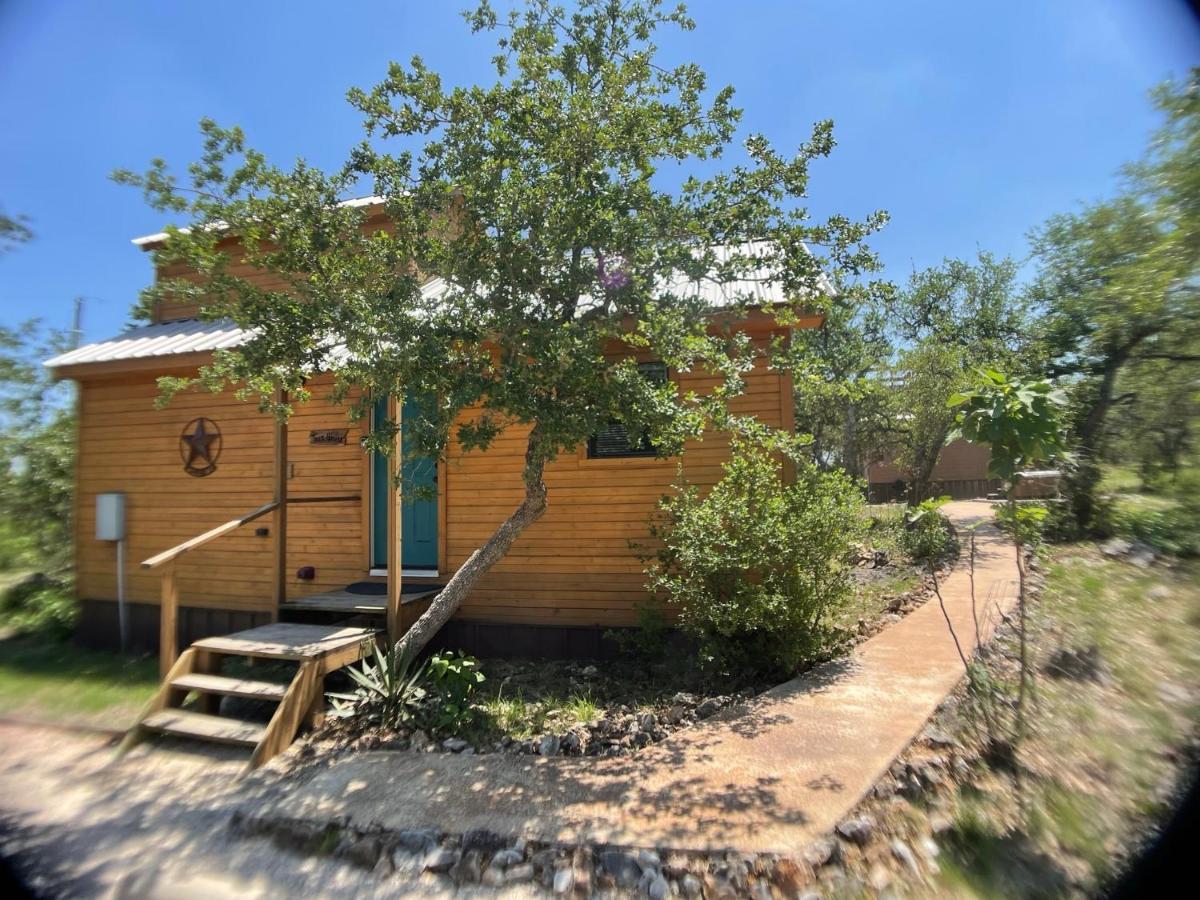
[[928, 535], [755, 566], [39, 604], [1173, 530], [453, 679], [648, 639]]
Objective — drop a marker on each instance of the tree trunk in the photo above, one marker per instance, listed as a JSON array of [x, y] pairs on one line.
[[922, 473], [450, 598], [1086, 477]]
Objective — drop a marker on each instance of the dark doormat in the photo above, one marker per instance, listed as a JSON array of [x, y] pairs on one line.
[[379, 588]]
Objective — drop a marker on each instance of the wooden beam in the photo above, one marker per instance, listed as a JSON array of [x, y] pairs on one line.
[[395, 622], [168, 647], [281, 501]]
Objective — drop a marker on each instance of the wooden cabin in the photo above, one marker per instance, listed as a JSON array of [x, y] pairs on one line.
[[300, 523], [961, 472]]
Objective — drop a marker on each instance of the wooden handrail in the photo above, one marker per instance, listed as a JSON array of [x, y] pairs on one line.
[[168, 650], [212, 534]]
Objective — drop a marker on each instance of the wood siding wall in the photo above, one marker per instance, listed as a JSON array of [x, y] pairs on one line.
[[127, 445], [575, 567]]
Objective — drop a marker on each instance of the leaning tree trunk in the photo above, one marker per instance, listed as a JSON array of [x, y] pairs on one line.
[[451, 597]]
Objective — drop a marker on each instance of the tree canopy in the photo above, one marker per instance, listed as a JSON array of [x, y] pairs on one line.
[[561, 212]]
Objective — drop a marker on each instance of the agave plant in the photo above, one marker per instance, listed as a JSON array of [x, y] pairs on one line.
[[389, 691]]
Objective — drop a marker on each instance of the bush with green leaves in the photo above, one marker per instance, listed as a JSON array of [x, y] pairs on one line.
[[39, 604], [755, 566], [1171, 529], [928, 535], [453, 678], [389, 690]]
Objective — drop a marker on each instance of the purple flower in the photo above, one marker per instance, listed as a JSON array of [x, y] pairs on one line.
[[614, 279]]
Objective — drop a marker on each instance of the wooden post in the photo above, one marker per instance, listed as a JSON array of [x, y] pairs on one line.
[[168, 647], [395, 619], [281, 479]]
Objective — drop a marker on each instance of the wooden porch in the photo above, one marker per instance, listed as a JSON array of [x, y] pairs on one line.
[[352, 620]]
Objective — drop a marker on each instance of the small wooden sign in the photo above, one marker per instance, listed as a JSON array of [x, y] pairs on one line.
[[327, 437]]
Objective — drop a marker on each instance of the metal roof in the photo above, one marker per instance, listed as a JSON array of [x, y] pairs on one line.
[[167, 339]]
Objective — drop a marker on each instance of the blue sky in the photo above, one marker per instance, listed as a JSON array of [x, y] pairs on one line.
[[968, 122]]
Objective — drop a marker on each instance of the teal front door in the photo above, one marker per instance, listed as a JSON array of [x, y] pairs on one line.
[[419, 511]]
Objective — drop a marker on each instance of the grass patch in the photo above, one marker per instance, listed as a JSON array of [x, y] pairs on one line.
[[52, 681], [1101, 749]]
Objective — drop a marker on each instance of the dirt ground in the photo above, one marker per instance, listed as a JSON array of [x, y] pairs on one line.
[[73, 824]]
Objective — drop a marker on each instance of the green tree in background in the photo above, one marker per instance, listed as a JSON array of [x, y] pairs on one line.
[[551, 206], [13, 230], [839, 400], [1117, 285], [945, 324], [37, 453]]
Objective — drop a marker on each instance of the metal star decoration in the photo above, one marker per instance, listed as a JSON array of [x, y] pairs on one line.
[[199, 447]]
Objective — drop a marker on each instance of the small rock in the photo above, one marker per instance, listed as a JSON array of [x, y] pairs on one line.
[[690, 886], [505, 858], [647, 721], [549, 745], [649, 860], [455, 745], [904, 855], [760, 890], [469, 868], [821, 852], [440, 859], [420, 740], [675, 715], [589, 671], [857, 830], [885, 788], [708, 707], [1142, 555], [1158, 592], [658, 889], [622, 866], [682, 699], [492, 877], [519, 873], [571, 743], [483, 840], [364, 852], [939, 739], [564, 881], [420, 839], [1116, 547], [385, 867]]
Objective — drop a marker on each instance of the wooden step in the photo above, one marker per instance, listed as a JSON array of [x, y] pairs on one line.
[[230, 687], [284, 640], [205, 728]]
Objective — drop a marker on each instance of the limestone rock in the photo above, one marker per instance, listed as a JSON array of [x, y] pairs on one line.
[[857, 830]]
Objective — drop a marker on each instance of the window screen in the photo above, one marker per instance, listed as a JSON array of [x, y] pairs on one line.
[[613, 441]]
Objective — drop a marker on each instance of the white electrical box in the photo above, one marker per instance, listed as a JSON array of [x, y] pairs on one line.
[[110, 517]]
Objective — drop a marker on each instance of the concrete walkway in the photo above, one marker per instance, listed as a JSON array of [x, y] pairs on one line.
[[767, 776]]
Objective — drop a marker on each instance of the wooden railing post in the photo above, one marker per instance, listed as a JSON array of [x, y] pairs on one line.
[[168, 630], [279, 578]]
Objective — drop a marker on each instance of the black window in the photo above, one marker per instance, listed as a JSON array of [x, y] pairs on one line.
[[613, 441]]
